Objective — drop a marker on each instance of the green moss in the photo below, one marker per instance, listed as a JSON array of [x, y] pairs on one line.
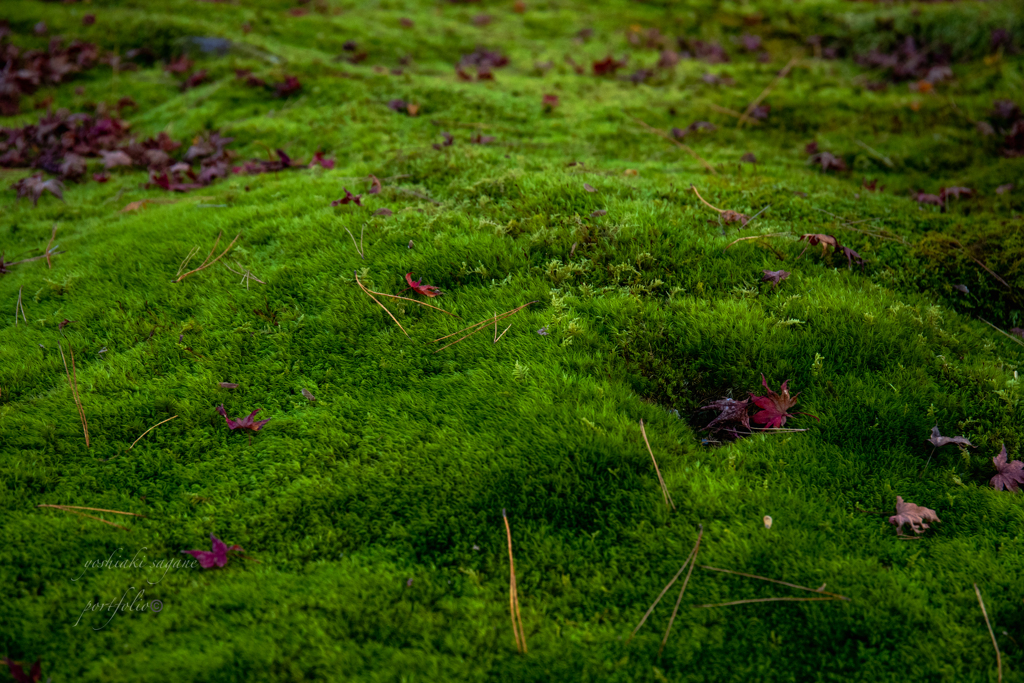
[[401, 467]]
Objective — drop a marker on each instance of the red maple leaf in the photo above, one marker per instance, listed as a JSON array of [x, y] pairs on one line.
[[1009, 475], [774, 406], [416, 286], [243, 422], [218, 556]]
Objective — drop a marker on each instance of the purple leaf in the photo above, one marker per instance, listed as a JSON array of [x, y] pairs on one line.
[[217, 557]]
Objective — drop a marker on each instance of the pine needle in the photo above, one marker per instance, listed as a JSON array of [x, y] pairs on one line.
[[754, 237], [73, 383], [713, 208], [188, 258], [46, 253], [362, 287], [696, 549], [746, 602], [149, 430], [664, 488], [80, 507], [664, 590], [207, 262], [19, 306], [415, 301], [479, 326], [1001, 332], [764, 93], [765, 578], [999, 659], [518, 633], [686, 148], [82, 514], [359, 247]]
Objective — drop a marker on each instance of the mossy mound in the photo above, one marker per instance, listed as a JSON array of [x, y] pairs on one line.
[[370, 511]]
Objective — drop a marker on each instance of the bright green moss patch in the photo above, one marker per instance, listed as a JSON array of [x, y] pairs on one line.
[[375, 510]]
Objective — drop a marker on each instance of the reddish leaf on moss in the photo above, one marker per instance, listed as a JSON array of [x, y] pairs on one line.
[[349, 197], [34, 187], [774, 406], [733, 412], [384, 212], [216, 557], [290, 86], [914, 515], [774, 277], [243, 422], [179, 66], [19, 675], [1009, 475], [375, 185], [419, 288]]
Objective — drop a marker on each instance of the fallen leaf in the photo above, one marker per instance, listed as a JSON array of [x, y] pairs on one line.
[[774, 276], [1003, 189], [733, 412], [349, 197], [938, 440], [599, 212], [19, 675], [749, 158], [1010, 475], [374, 185], [115, 158], [216, 557], [309, 395], [227, 385], [243, 423], [427, 290], [774, 406], [34, 186], [914, 515], [588, 188], [383, 212]]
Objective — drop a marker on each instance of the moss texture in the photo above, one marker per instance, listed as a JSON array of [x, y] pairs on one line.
[[375, 511]]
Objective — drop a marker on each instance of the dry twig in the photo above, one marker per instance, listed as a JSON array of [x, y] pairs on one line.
[[477, 327], [696, 549], [999, 659], [686, 148], [46, 252], [73, 383], [207, 262], [68, 508], [149, 430], [246, 276], [754, 237], [746, 602], [784, 583], [764, 93], [1001, 332], [519, 633], [664, 488], [359, 247], [19, 306], [692, 555], [362, 287]]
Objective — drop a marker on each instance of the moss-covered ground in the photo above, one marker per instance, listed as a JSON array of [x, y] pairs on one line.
[[375, 512]]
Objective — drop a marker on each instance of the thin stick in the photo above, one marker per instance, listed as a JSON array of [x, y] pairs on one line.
[[479, 326], [519, 633], [731, 112], [754, 237], [751, 219], [746, 602], [765, 578], [206, 264], [879, 155], [80, 507], [46, 253], [485, 321], [187, 259], [149, 430], [713, 208], [359, 247], [1001, 332], [999, 659], [379, 303], [74, 390], [664, 488], [82, 514], [682, 590], [970, 256], [415, 301], [766, 91], [664, 590], [20, 306], [686, 148], [52, 252]]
